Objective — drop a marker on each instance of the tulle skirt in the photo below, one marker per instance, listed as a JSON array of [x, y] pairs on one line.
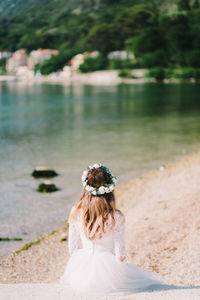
[[100, 272]]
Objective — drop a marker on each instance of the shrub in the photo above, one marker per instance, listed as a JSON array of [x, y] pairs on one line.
[[186, 73], [138, 63], [117, 64], [192, 58], [155, 59], [197, 74], [2, 66], [125, 73], [94, 64], [169, 73], [157, 73]]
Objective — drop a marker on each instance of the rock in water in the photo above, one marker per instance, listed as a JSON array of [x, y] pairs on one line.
[[43, 172], [47, 187]]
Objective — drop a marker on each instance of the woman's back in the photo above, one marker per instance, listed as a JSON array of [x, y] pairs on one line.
[[112, 240]]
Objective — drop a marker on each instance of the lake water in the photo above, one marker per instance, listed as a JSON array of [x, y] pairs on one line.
[[130, 128]]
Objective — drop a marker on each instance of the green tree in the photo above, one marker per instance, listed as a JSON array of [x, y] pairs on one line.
[[132, 21], [103, 38], [30, 40], [194, 24], [57, 62], [179, 38], [196, 4], [150, 39], [184, 4]]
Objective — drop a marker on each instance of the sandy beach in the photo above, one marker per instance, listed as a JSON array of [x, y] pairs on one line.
[[7, 78], [162, 210]]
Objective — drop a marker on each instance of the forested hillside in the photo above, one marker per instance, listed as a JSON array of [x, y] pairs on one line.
[[14, 7], [159, 32]]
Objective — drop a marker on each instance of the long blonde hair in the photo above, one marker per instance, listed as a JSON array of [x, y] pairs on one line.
[[96, 210]]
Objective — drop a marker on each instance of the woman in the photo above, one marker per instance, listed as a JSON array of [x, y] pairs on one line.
[[101, 265]]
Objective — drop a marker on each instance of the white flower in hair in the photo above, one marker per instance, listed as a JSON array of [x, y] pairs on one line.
[[102, 190], [111, 187], [84, 176], [88, 188], [85, 173], [107, 190], [92, 189], [96, 166]]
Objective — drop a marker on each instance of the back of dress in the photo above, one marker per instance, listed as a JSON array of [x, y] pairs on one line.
[[99, 265], [112, 240]]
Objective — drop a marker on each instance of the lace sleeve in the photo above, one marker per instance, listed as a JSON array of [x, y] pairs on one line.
[[73, 235], [119, 236]]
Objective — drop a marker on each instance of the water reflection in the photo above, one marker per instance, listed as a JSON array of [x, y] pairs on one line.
[[139, 116]]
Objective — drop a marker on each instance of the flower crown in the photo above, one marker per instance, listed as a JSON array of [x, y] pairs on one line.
[[107, 188]]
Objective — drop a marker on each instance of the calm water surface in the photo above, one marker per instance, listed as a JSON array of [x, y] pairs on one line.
[[130, 128]]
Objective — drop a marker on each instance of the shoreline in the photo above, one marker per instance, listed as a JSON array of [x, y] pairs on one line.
[[7, 78], [166, 238], [98, 78]]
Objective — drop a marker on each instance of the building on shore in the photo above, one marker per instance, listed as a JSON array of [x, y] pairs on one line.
[[5, 54], [39, 55], [121, 54], [18, 59], [22, 65]]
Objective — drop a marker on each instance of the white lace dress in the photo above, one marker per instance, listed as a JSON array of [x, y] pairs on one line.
[[96, 267]]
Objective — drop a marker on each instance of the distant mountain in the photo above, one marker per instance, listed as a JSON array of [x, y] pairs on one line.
[[14, 7], [54, 23]]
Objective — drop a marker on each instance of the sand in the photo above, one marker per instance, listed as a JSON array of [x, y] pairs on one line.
[[162, 210], [61, 292]]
